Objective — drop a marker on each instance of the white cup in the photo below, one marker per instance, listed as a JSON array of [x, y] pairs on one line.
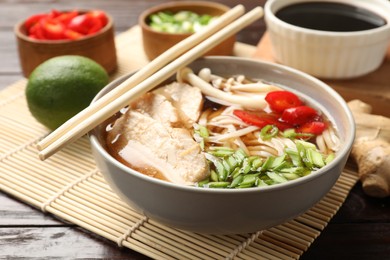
[[329, 54]]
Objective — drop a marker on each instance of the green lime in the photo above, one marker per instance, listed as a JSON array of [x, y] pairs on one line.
[[62, 86]]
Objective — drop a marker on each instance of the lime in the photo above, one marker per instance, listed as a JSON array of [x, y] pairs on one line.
[[62, 86]]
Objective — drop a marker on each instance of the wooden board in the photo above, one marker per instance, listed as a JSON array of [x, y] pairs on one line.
[[373, 88]]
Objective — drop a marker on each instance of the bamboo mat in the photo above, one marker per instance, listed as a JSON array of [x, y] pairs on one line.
[[69, 186]]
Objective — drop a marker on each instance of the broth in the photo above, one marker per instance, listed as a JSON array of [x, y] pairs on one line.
[[224, 138]]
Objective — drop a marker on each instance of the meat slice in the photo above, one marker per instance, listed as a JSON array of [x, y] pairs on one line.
[[187, 99], [146, 142], [158, 107]]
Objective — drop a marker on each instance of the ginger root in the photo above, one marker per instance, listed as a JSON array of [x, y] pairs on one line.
[[371, 149]]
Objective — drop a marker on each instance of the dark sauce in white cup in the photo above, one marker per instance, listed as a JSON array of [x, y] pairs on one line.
[[330, 16]]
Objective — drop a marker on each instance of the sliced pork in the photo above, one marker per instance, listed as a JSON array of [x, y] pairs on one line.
[[146, 137], [158, 107], [186, 99]]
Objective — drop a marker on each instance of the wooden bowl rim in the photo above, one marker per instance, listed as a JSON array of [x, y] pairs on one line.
[[144, 15], [18, 32]]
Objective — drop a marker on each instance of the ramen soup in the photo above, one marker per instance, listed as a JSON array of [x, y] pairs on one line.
[[215, 132]]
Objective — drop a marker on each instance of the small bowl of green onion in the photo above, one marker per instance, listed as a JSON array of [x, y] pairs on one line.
[[167, 24]]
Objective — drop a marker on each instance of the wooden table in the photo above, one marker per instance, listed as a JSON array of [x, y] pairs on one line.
[[360, 230]]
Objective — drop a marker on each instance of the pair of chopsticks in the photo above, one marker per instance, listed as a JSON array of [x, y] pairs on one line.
[[158, 70]]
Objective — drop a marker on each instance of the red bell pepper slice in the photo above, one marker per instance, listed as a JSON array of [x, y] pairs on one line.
[[66, 17], [314, 127], [58, 25], [100, 15], [299, 115], [52, 29], [261, 119], [281, 100], [72, 35], [54, 13], [33, 20], [85, 24], [36, 32], [97, 26]]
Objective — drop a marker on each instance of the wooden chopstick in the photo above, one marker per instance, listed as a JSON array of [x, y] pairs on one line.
[[88, 123], [145, 72]]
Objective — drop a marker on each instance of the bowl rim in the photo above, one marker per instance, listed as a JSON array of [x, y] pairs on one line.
[[344, 151], [144, 15], [269, 16], [21, 35]]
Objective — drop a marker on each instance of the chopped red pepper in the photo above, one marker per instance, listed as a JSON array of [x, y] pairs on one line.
[[261, 119], [98, 14], [70, 34], [281, 100], [84, 23], [299, 115], [288, 113], [71, 25], [314, 127], [36, 32], [52, 29], [65, 18], [54, 13], [33, 20]]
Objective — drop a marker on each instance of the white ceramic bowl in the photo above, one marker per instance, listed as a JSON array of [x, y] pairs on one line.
[[226, 211], [325, 54]]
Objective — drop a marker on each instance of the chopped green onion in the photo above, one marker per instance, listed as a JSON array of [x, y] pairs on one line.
[[261, 183], [202, 130], [292, 134], [249, 179], [219, 184], [221, 151], [221, 171], [201, 144], [232, 161], [294, 156], [203, 182], [268, 163], [315, 158], [268, 131], [306, 145], [293, 170], [236, 181], [289, 133], [276, 177], [226, 166], [213, 175], [278, 161], [256, 163], [235, 169], [291, 176], [329, 158], [246, 166], [236, 172], [180, 22], [240, 155]]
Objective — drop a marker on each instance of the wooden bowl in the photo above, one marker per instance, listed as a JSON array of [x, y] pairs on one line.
[[100, 47], [155, 42]]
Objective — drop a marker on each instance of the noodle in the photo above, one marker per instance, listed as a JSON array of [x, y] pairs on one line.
[[331, 140], [227, 139], [237, 133]]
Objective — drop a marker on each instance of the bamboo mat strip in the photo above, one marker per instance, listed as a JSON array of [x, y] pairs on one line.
[[70, 187]]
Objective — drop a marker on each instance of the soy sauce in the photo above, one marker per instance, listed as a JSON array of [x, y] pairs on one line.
[[326, 16]]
